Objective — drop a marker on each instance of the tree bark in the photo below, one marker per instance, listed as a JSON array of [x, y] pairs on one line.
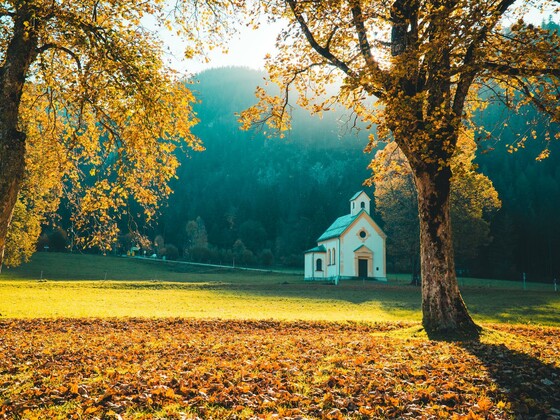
[[20, 53], [443, 310], [12, 153]]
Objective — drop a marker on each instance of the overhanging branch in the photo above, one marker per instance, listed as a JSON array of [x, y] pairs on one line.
[[365, 48], [469, 71], [536, 101], [52, 46], [508, 70]]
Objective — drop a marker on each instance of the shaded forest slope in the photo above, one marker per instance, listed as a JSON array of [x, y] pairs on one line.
[[265, 200]]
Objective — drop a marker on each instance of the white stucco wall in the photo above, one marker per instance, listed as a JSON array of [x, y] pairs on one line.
[[348, 242], [341, 258], [356, 203], [332, 267], [310, 271]]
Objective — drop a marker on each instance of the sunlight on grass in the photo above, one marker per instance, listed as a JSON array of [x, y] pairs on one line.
[[97, 286], [349, 302], [115, 299], [179, 341]]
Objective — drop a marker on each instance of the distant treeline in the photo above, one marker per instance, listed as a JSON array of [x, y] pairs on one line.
[[258, 200], [271, 198], [264, 196]]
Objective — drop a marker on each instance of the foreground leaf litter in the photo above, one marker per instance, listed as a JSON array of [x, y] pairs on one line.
[[183, 368]]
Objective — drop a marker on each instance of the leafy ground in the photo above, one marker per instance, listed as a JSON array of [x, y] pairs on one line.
[[179, 368], [71, 347]]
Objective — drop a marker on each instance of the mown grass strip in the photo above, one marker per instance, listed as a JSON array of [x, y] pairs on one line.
[[286, 301]]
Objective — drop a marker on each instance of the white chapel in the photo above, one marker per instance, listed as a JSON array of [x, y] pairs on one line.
[[352, 247]]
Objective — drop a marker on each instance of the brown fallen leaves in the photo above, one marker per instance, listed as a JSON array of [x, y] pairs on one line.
[[182, 368]]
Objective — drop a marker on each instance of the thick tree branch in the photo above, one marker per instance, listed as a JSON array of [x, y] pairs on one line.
[[469, 69], [402, 12], [325, 51], [365, 48]]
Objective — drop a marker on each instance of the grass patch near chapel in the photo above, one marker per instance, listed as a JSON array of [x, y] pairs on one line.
[[70, 285]]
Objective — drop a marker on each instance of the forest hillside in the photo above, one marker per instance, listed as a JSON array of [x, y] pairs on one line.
[[255, 199], [265, 200]]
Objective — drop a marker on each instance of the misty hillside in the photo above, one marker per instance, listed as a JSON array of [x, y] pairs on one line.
[[280, 194], [272, 193], [263, 200]]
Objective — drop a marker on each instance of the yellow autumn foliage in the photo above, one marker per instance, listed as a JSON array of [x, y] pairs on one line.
[[413, 70], [473, 200], [104, 116]]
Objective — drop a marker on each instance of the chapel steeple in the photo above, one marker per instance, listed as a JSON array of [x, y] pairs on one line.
[[360, 201]]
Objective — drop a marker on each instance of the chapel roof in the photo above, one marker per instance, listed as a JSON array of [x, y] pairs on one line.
[[320, 248], [357, 194], [339, 226]]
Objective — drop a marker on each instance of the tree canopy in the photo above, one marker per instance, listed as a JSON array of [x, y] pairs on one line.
[[87, 98], [425, 62]]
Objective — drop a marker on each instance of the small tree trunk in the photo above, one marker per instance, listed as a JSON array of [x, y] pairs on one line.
[[443, 309]]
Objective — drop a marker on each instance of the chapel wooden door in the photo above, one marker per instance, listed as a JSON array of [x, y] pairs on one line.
[[362, 268]]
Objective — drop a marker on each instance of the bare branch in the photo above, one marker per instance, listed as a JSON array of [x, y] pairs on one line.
[[94, 11], [331, 36], [535, 100], [508, 70]]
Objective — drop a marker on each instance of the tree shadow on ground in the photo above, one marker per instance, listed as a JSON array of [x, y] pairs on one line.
[[356, 292], [498, 305], [531, 386]]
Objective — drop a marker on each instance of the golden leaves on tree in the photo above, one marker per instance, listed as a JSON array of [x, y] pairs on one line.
[[104, 115]]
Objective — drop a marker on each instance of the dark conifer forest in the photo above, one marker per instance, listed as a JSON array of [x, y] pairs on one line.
[[254, 199], [263, 200], [526, 230]]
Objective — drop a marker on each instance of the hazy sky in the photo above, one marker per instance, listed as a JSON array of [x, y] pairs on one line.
[[249, 47]]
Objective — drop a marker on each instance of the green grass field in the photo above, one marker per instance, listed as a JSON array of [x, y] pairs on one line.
[[73, 285]]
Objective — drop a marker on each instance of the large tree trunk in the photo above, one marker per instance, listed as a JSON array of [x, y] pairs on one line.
[[12, 152], [443, 309], [20, 53]]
